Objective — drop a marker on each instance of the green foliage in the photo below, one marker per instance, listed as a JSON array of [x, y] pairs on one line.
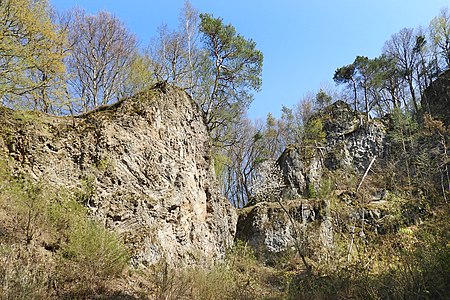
[[400, 266], [314, 134], [26, 201], [410, 262], [346, 75], [31, 202], [403, 127], [326, 188], [193, 283], [31, 56], [220, 163], [92, 255], [85, 256], [311, 191], [241, 251], [240, 276], [433, 171], [323, 99], [138, 75], [64, 212], [403, 142], [235, 69], [27, 117], [88, 189], [104, 164], [440, 35]]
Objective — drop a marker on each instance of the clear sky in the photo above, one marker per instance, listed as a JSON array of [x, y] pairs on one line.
[[303, 41]]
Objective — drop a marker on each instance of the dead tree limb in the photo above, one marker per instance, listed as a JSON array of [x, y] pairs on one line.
[[365, 173], [296, 239]]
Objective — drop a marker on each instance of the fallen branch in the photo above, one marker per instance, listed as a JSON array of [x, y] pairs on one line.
[[296, 241], [365, 174]]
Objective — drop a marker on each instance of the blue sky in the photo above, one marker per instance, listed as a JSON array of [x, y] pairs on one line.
[[303, 42]]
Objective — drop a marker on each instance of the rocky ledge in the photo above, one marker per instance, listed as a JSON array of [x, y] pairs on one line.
[[343, 146]]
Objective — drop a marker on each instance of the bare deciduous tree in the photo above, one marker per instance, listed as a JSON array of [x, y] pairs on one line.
[[401, 47], [100, 49], [440, 36]]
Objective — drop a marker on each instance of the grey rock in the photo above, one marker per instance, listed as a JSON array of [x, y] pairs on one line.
[[147, 160], [268, 229], [436, 98], [350, 145]]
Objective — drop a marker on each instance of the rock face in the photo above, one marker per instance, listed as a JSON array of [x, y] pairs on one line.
[[268, 229], [349, 145], [345, 143], [436, 98], [143, 168]]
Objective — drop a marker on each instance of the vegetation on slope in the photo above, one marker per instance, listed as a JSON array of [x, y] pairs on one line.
[[50, 249]]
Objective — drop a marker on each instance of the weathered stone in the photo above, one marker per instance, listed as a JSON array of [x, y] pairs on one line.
[[144, 167], [267, 228], [436, 98], [350, 145]]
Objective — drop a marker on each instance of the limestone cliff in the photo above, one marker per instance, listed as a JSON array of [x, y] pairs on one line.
[[345, 145], [142, 167], [268, 229], [350, 144]]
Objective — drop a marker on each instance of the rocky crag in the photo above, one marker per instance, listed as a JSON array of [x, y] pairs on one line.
[[142, 167], [349, 144], [436, 98], [269, 230], [344, 146]]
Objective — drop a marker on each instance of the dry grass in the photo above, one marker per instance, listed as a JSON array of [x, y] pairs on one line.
[[49, 249]]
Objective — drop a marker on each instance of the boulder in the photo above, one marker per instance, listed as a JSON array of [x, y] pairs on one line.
[[269, 229]]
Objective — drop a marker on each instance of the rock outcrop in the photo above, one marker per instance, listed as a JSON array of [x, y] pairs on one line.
[[436, 98], [267, 228], [143, 167], [350, 144], [344, 143]]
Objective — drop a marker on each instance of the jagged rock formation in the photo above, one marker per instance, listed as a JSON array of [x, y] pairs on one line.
[[436, 98], [268, 229], [142, 166], [350, 144]]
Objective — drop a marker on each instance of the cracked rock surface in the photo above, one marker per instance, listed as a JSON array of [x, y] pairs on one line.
[[143, 166]]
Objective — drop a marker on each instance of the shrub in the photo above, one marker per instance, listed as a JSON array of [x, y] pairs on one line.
[[193, 283], [36, 214], [90, 258], [239, 277], [411, 264]]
